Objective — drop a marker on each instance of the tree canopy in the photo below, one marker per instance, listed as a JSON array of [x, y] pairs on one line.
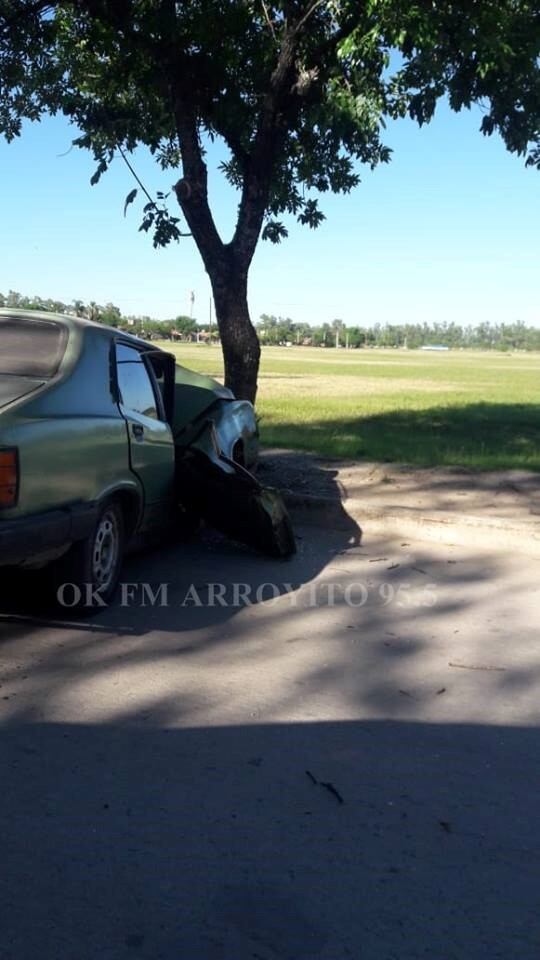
[[297, 90]]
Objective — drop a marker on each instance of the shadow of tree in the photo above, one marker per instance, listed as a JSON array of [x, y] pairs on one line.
[[28, 592], [401, 489], [214, 842], [480, 435], [154, 761]]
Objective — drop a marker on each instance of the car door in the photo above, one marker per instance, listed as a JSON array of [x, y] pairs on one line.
[[151, 441]]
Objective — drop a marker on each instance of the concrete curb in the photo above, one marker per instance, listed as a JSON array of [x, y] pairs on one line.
[[521, 536]]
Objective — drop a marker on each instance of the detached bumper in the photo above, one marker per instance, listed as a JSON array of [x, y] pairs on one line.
[[28, 537]]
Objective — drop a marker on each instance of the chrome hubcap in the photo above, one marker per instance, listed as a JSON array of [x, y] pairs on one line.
[[105, 552]]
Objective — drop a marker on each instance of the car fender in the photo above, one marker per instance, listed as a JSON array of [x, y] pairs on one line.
[[234, 421]]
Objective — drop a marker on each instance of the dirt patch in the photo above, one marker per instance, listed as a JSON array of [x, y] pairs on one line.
[[504, 495]]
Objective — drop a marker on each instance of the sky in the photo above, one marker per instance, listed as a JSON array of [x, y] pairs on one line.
[[447, 231]]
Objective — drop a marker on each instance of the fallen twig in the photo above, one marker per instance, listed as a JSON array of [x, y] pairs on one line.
[[327, 786], [331, 789], [472, 666]]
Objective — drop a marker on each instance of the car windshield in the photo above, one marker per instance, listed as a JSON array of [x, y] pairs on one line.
[[31, 348]]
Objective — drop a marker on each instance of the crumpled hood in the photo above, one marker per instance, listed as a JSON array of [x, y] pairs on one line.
[[193, 394], [14, 387]]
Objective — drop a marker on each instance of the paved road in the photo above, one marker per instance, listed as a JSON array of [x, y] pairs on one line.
[[347, 771]]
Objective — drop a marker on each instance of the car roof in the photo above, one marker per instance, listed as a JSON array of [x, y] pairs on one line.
[[70, 322]]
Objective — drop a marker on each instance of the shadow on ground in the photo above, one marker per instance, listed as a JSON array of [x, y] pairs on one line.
[[390, 489], [131, 841], [178, 564], [282, 781], [481, 435]]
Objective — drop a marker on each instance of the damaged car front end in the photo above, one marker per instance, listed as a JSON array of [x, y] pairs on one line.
[[214, 456]]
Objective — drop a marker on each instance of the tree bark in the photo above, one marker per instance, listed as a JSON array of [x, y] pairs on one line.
[[239, 340], [228, 264], [226, 267], [228, 272]]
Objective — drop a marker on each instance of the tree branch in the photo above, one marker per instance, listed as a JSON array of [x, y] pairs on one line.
[[192, 190], [268, 20], [268, 139], [284, 97], [134, 175], [144, 190], [309, 12]]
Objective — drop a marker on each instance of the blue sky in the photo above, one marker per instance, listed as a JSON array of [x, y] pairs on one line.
[[447, 231]]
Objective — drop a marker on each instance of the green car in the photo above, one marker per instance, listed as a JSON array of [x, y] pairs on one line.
[[104, 437]]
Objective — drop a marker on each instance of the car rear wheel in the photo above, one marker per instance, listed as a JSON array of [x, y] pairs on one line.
[[87, 575]]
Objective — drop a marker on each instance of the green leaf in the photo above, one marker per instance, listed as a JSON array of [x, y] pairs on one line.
[[130, 198], [275, 231], [96, 177]]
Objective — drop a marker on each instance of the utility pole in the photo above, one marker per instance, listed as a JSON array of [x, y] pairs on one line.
[[210, 319]]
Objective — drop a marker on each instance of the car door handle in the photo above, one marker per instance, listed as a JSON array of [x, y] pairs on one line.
[[137, 431]]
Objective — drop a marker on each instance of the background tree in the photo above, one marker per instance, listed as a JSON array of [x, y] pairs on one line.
[[185, 325], [297, 90], [281, 330], [110, 314]]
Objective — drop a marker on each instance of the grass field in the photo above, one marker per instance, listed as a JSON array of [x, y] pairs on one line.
[[473, 409]]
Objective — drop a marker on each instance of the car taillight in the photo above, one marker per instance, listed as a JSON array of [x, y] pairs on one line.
[[9, 477]]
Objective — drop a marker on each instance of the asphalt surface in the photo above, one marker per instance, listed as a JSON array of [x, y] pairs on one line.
[[348, 770]]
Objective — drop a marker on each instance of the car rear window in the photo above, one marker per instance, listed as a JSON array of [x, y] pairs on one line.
[[31, 348]]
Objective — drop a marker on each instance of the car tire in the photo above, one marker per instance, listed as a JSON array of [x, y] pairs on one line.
[[87, 575]]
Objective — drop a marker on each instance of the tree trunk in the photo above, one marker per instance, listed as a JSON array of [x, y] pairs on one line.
[[240, 344]]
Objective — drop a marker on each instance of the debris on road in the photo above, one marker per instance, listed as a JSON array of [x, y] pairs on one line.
[[327, 786], [472, 666], [331, 789]]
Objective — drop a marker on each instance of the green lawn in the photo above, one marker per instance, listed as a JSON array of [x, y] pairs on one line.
[[473, 409]]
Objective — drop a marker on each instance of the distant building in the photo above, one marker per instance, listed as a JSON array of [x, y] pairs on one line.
[[435, 346]]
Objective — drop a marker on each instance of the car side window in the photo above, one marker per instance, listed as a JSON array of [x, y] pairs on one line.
[[136, 389]]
